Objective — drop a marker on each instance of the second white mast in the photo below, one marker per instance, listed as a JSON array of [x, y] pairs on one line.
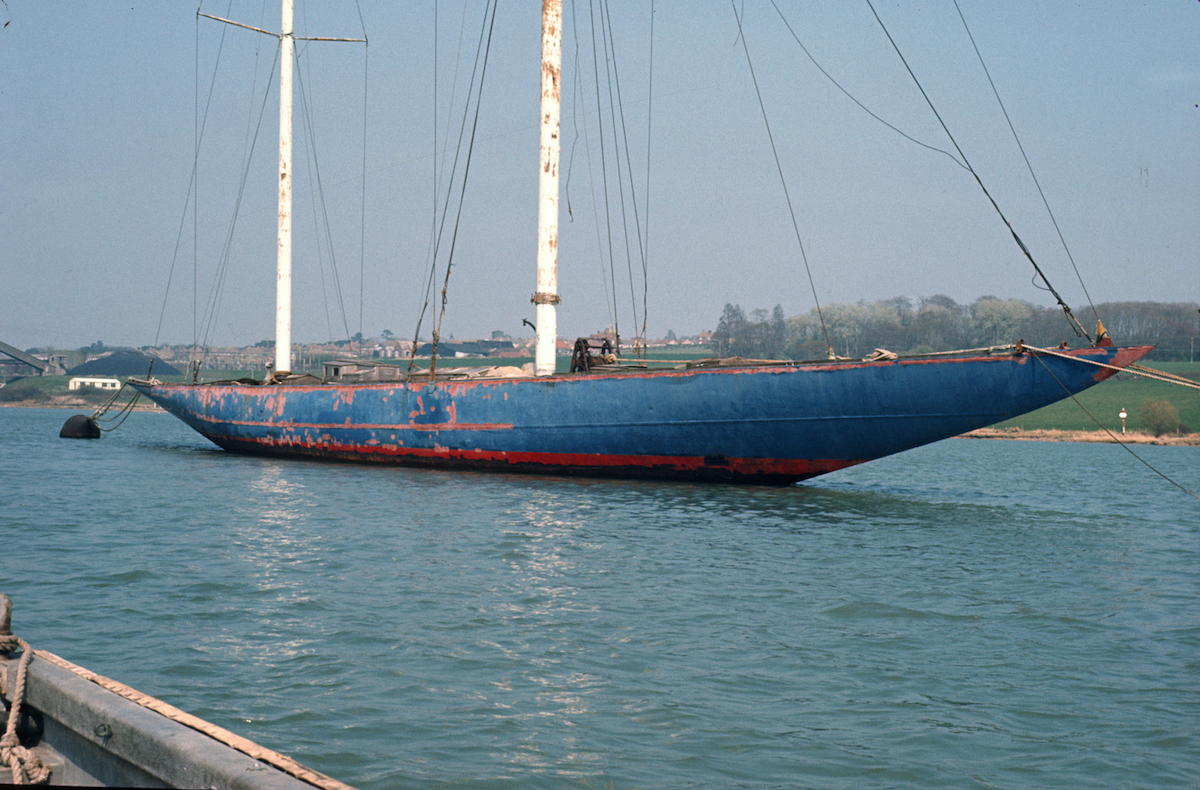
[[283, 259], [547, 255], [283, 265]]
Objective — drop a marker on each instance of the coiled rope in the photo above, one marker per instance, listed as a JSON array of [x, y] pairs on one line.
[[26, 767]]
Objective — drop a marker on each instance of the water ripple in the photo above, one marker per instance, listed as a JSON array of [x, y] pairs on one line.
[[1023, 621]]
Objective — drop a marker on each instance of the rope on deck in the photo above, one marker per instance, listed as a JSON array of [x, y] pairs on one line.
[[1141, 371], [26, 767]]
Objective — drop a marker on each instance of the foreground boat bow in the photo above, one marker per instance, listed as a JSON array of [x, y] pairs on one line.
[[76, 728]]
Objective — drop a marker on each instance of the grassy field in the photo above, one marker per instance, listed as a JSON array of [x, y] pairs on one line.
[[40, 389], [1106, 400]]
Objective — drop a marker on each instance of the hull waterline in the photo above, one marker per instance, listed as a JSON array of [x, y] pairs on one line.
[[768, 424]]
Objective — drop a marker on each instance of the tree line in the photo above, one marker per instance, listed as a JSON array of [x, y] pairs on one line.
[[938, 323]]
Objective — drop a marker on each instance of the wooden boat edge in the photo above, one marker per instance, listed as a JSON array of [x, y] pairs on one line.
[[92, 729]]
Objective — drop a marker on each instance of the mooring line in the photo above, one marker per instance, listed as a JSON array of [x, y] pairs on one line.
[[1102, 427]]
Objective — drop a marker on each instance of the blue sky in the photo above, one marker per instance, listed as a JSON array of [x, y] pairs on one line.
[[98, 110]]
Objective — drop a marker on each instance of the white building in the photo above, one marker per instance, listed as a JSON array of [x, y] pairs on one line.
[[96, 382]]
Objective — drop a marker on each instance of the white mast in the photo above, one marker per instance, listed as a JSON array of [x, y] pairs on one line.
[[283, 266], [547, 256], [283, 284]]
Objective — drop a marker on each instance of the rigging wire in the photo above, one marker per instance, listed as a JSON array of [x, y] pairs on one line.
[[197, 136], [574, 115], [649, 136], [203, 327], [362, 223], [439, 165], [310, 161], [865, 109], [615, 107], [439, 174], [212, 307], [439, 218], [1066, 309], [622, 168], [1042, 194], [604, 173], [434, 161], [783, 181], [580, 119], [1113, 436], [427, 287], [606, 37], [203, 335], [318, 196], [320, 258], [486, 50], [191, 197], [319, 192]]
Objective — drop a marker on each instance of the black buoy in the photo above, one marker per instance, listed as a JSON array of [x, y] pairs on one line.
[[80, 426]]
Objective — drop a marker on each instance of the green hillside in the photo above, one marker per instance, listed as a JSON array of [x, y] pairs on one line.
[[1123, 391]]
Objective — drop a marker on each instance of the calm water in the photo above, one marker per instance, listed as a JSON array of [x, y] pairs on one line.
[[972, 614]]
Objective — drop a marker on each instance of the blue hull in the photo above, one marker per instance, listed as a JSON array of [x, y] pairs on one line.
[[765, 424]]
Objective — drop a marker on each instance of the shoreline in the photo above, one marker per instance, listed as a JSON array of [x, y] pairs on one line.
[[1056, 435], [73, 404]]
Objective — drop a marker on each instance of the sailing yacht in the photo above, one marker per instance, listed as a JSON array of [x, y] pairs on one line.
[[732, 421]]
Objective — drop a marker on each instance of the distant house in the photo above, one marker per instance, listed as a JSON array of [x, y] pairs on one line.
[[392, 349], [95, 382]]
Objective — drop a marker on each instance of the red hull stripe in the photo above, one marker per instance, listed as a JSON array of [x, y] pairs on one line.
[[794, 468], [337, 426]]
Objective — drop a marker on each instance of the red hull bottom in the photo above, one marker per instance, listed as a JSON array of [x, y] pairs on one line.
[[748, 471]]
